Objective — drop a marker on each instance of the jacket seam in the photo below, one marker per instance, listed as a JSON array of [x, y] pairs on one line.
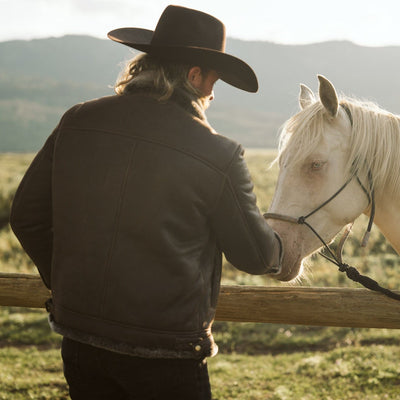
[[248, 229], [226, 178], [116, 229], [160, 143], [131, 326], [228, 183]]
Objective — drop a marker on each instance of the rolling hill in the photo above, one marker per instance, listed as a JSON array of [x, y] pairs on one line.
[[40, 79]]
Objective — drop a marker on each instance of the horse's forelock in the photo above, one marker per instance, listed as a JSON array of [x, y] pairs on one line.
[[301, 134]]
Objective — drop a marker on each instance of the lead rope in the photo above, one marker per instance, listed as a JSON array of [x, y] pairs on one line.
[[336, 258], [351, 272]]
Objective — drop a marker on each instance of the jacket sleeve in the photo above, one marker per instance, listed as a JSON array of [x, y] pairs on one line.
[[243, 235], [31, 211]]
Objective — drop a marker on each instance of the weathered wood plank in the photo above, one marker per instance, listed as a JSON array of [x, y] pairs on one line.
[[22, 290], [283, 305], [308, 306]]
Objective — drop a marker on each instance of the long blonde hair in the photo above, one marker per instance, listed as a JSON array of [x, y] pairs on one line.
[[162, 77]]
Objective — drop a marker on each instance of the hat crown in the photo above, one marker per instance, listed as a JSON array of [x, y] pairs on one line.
[[180, 26]]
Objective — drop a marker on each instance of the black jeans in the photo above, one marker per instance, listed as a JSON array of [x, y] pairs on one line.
[[94, 373]]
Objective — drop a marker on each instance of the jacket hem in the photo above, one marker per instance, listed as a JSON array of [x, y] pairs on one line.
[[129, 340]]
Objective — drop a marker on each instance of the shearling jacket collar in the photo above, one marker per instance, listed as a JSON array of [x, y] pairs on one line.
[[180, 96], [190, 104]]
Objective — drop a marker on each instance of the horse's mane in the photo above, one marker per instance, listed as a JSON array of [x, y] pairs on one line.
[[374, 141]]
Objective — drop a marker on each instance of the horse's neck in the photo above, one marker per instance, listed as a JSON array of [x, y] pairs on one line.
[[387, 219]]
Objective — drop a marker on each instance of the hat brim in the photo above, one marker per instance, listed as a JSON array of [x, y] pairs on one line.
[[230, 69]]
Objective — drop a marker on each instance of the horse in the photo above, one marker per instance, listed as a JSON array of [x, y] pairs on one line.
[[338, 158]]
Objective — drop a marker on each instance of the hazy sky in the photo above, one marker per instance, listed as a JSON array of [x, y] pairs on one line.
[[365, 22]]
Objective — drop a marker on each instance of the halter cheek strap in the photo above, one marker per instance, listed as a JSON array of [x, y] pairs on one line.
[[371, 198], [370, 194], [348, 112]]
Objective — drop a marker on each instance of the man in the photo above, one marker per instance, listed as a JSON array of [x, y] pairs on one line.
[[127, 209]]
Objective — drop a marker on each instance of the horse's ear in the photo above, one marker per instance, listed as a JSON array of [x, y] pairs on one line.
[[328, 96], [306, 96]]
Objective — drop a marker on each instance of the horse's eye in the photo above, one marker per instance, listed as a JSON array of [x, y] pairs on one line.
[[317, 165]]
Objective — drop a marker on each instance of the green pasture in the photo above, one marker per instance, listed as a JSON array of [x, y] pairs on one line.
[[256, 361]]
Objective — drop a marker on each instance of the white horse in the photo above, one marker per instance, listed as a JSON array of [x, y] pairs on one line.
[[341, 150]]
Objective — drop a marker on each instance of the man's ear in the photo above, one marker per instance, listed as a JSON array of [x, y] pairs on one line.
[[195, 76]]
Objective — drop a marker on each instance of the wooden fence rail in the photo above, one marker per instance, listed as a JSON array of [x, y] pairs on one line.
[[283, 305]]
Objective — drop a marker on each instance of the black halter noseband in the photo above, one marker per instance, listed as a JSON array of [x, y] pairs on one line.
[[336, 257]]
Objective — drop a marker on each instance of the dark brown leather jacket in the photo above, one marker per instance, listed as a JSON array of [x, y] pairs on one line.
[[126, 211]]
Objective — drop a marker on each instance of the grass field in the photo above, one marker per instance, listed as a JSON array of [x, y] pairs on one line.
[[256, 361]]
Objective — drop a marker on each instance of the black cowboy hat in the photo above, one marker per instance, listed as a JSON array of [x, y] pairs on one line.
[[190, 36]]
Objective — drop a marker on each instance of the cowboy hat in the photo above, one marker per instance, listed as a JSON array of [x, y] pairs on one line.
[[190, 36]]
